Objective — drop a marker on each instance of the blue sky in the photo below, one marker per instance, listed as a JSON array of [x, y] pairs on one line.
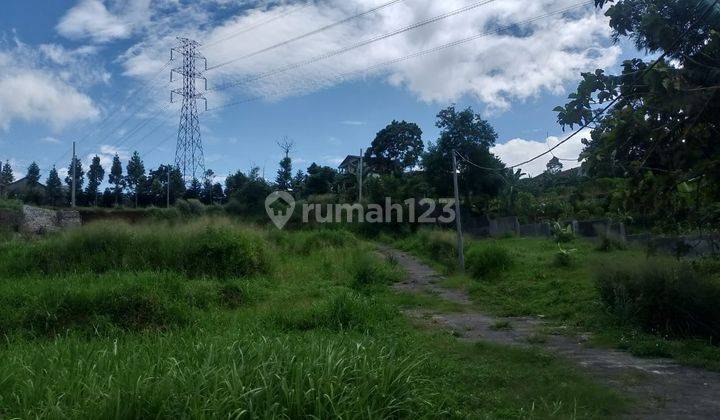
[[94, 70]]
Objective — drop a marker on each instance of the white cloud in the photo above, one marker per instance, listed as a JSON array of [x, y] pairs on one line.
[[39, 96], [351, 122], [34, 90], [91, 19], [540, 56], [518, 150], [50, 139]]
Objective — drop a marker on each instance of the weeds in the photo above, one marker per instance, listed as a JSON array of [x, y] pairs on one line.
[[200, 249], [486, 259], [662, 296]]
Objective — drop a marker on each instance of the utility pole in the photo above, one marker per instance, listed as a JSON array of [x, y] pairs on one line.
[[74, 178], [169, 168], [458, 221], [360, 177], [189, 151]]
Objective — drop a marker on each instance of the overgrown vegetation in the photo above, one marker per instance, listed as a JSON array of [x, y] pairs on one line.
[[204, 248], [484, 260], [313, 331], [656, 307], [663, 296]]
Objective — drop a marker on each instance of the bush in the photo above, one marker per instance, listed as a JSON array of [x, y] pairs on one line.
[[485, 259], [368, 271], [662, 296], [564, 257], [191, 207], [562, 234]]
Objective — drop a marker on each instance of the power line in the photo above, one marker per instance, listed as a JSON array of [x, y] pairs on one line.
[[306, 35], [114, 112], [353, 47], [416, 54], [617, 98], [257, 25]]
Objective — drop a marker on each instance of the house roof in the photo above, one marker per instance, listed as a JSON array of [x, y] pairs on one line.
[[350, 160]]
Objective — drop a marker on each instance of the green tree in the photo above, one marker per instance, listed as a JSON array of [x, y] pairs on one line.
[[95, 175], [206, 192], [298, 183], [284, 175], [395, 148], [6, 177], [471, 136], [33, 175], [194, 190], [79, 179], [32, 192], [554, 166], [234, 182], [116, 179], [54, 192], [135, 178], [320, 180], [662, 121]]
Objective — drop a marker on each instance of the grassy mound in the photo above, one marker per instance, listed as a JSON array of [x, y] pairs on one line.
[[219, 249]]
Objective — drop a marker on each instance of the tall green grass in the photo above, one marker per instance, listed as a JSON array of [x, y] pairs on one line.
[[204, 248], [190, 375], [109, 303], [663, 296]]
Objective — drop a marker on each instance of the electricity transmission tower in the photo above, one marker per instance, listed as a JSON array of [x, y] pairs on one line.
[[189, 157]]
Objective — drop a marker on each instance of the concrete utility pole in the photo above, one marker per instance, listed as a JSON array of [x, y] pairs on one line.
[[458, 221], [74, 178], [360, 177], [168, 186]]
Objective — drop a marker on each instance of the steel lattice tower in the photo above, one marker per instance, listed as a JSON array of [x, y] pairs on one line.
[[189, 151]]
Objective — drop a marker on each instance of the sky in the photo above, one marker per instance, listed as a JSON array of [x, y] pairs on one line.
[[98, 72]]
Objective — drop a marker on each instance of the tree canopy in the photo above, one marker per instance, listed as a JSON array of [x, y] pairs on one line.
[[396, 148], [663, 119]]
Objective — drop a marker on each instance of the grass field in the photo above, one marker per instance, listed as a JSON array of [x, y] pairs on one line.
[[217, 320], [535, 283]]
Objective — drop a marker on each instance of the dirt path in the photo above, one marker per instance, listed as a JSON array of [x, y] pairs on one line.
[[662, 389]]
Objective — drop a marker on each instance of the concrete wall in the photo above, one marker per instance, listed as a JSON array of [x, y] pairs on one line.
[[504, 226], [39, 221]]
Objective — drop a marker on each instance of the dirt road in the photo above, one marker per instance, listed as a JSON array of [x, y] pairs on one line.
[[660, 388]]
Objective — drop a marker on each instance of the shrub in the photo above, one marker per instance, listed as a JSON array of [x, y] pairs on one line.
[[191, 207], [564, 257], [368, 270], [662, 296], [485, 259], [562, 234]]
